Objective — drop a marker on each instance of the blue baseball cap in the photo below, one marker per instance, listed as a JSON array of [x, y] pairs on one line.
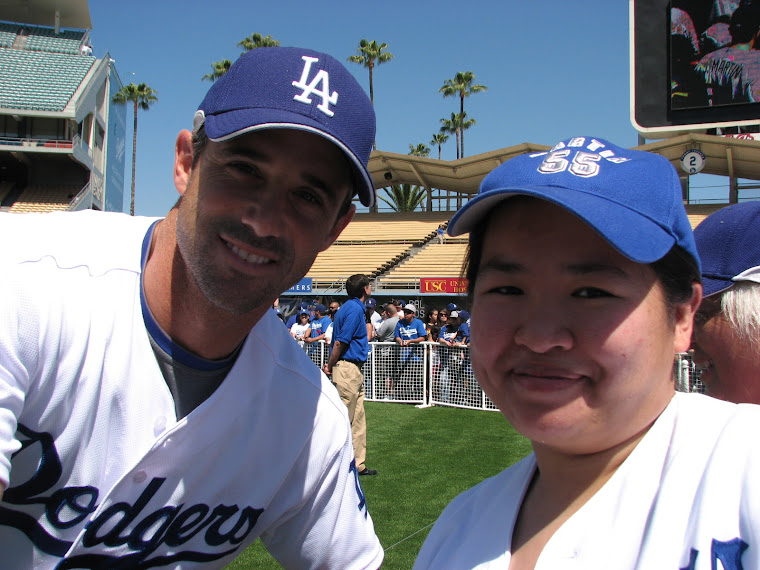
[[320, 308], [293, 88], [728, 242], [464, 315], [451, 307], [632, 198], [370, 303]]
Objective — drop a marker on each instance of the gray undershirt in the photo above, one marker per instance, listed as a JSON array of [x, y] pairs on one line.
[[189, 387]]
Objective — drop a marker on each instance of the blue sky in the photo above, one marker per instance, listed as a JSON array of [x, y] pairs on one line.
[[554, 69]]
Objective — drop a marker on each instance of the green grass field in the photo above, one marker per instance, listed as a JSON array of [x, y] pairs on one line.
[[424, 458]]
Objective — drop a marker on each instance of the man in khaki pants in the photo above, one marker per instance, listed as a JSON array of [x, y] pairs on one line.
[[350, 348]]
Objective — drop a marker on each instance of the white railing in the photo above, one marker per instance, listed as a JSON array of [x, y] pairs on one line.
[[433, 374]]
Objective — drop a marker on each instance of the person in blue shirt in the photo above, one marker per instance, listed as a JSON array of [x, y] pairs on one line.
[[350, 348], [410, 331], [316, 332], [454, 334]]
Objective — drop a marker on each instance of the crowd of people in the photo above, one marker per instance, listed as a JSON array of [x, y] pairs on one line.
[[715, 52]]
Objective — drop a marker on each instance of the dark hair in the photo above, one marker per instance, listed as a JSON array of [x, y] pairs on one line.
[[200, 141], [355, 285], [677, 270]]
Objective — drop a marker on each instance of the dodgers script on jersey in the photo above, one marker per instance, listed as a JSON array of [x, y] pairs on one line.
[[686, 498], [99, 471]]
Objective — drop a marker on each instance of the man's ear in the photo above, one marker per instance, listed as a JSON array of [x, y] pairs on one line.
[[684, 319], [183, 160], [340, 225]]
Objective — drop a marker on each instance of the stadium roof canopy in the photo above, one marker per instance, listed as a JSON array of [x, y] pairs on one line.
[[724, 156], [72, 13]]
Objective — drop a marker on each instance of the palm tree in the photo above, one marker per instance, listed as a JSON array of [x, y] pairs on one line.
[[256, 40], [143, 97], [369, 53], [438, 140], [461, 85], [404, 197], [420, 150], [219, 69]]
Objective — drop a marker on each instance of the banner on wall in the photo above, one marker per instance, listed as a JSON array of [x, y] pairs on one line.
[[443, 285], [303, 286]]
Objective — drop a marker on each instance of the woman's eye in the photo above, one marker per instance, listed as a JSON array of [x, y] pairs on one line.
[[507, 290], [591, 293]]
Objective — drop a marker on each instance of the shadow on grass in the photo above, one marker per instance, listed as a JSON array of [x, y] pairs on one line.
[[425, 457]]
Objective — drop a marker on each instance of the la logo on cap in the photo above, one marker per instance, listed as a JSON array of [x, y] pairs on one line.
[[311, 88]]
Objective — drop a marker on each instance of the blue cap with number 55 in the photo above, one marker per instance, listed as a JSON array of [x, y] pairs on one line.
[[632, 198]]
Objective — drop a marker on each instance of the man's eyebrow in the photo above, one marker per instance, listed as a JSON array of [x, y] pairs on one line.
[[242, 151]]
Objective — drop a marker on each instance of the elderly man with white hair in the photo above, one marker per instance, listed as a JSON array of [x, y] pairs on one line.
[[727, 325]]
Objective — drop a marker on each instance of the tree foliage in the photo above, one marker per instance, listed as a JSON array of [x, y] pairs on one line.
[[420, 149], [219, 68], [403, 197], [256, 40]]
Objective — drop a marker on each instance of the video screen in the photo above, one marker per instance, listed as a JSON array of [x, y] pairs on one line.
[[714, 53]]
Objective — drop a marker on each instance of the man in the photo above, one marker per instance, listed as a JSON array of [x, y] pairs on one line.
[[387, 363], [375, 318], [153, 410], [317, 330], [349, 353], [334, 306], [454, 334], [410, 331], [727, 326]]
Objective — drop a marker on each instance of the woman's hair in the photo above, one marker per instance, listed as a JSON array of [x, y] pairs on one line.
[[677, 270], [740, 306]]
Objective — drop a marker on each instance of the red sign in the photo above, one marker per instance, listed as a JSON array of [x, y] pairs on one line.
[[443, 285]]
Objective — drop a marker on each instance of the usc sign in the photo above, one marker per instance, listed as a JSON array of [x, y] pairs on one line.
[[449, 285]]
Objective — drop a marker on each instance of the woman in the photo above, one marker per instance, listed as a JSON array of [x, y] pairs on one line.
[[583, 283], [300, 328], [431, 321]]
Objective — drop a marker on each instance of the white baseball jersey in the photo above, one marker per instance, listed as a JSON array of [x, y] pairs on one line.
[[99, 471], [687, 497]]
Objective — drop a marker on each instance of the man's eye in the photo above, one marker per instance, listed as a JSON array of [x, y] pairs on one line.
[[310, 196], [244, 168], [591, 293]]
